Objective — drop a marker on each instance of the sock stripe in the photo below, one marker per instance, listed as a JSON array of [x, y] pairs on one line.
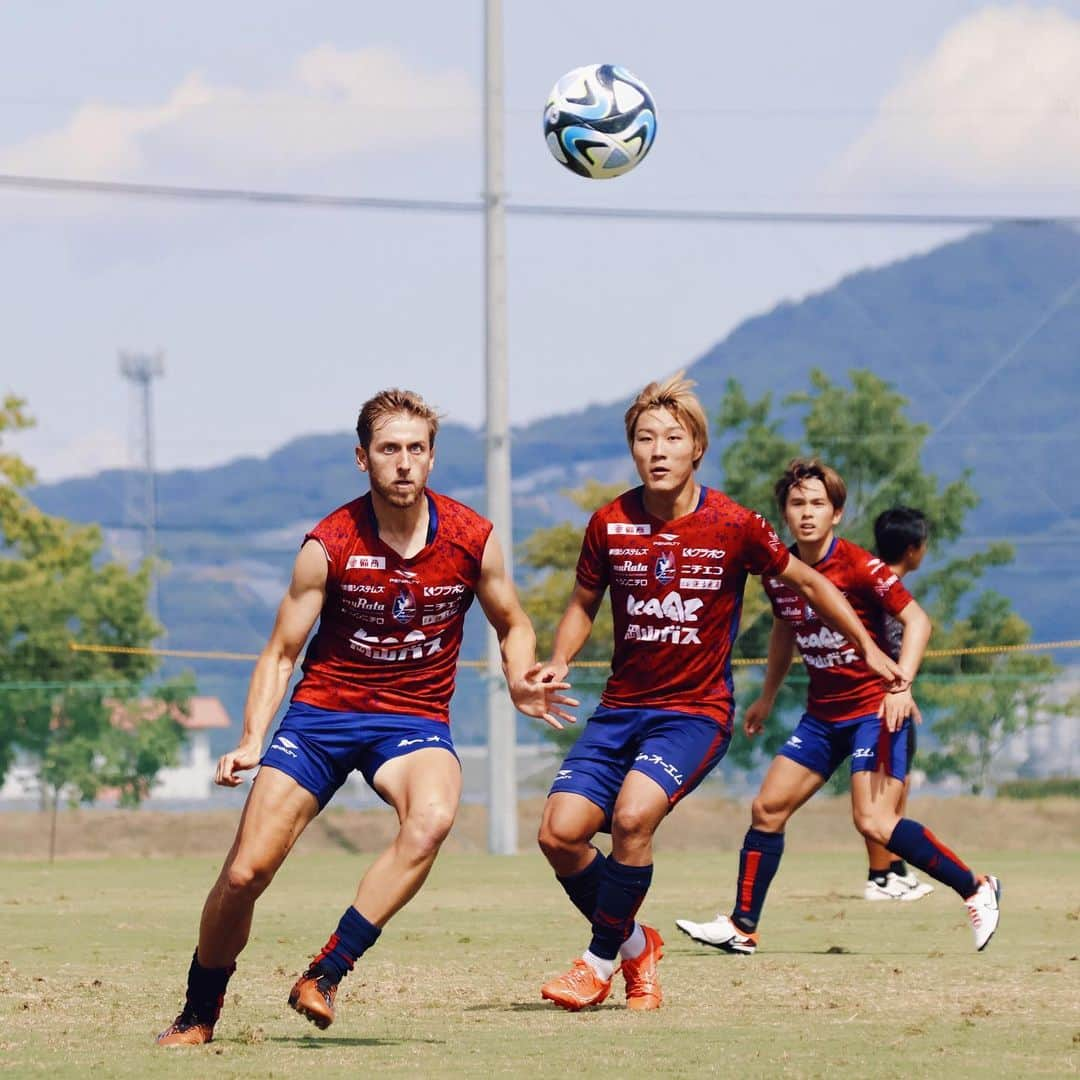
[[746, 886]]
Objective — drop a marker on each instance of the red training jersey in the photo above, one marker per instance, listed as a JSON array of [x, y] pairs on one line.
[[390, 630], [676, 595], [841, 685]]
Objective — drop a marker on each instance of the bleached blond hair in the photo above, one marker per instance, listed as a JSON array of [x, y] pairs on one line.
[[675, 394]]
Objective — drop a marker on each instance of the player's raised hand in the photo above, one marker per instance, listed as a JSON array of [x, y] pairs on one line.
[[538, 693], [755, 716], [896, 707], [230, 765]]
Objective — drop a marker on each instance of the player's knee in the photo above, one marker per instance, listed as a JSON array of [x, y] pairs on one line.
[[559, 841], [768, 815], [248, 877], [630, 823], [426, 830], [872, 825]]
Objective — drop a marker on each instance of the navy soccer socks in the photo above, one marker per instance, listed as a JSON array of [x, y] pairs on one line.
[[206, 990], [583, 888], [917, 845], [352, 938], [621, 892], [759, 860]]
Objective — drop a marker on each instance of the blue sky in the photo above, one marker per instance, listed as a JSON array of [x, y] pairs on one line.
[[277, 322]]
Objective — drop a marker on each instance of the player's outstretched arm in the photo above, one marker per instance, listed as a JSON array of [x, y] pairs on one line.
[[781, 646], [531, 692], [296, 615], [897, 706], [830, 604], [574, 628]]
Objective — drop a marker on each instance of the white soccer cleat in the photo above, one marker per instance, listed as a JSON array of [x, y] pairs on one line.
[[914, 888], [721, 933], [984, 910]]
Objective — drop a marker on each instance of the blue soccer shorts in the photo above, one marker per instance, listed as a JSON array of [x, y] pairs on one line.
[[318, 748], [677, 750], [821, 746]]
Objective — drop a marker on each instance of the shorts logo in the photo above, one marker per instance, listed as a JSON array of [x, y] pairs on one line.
[[287, 746], [415, 742], [656, 759], [563, 774], [664, 568], [403, 608], [794, 741], [863, 752], [366, 562], [622, 528]]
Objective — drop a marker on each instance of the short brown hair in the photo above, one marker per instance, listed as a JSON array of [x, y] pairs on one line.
[[800, 469], [386, 404], [677, 396]]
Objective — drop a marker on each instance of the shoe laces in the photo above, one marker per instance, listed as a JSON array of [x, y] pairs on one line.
[[581, 974]]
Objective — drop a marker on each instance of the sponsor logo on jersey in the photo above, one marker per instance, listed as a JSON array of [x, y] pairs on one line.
[[444, 590], [791, 611], [664, 568], [635, 552], [674, 635], [631, 582], [666, 766], [831, 660], [624, 528], [403, 608], [629, 567], [413, 646], [703, 569], [700, 584], [703, 553], [370, 590], [666, 540], [821, 639], [366, 562], [672, 607]]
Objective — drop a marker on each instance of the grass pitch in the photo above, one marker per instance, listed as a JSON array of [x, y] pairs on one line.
[[95, 954]]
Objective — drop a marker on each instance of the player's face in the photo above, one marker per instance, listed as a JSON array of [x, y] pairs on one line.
[[663, 450], [808, 513], [399, 459]]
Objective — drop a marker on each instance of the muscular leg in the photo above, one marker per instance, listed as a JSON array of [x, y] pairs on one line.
[[879, 858], [567, 827], [277, 811], [787, 785], [424, 788]]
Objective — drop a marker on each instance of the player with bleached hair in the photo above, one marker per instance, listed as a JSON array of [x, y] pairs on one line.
[[849, 713], [388, 577], [674, 555]]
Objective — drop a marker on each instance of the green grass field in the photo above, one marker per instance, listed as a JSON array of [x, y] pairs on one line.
[[95, 953]]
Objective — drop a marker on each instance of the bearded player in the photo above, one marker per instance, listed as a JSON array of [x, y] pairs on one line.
[[389, 577], [675, 556], [849, 713]]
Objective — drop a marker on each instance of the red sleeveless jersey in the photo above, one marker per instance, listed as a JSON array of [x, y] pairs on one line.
[[676, 595], [390, 630], [841, 685]]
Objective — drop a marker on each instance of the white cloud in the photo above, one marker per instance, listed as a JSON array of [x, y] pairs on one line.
[[995, 108], [333, 104]]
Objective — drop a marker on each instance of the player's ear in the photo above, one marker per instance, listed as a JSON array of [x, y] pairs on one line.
[[837, 514], [361, 459]]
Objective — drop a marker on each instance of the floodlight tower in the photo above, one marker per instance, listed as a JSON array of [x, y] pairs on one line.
[[502, 751], [140, 369]]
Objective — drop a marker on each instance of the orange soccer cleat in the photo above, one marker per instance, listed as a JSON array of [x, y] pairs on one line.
[[642, 983], [313, 996], [579, 988], [187, 1030]]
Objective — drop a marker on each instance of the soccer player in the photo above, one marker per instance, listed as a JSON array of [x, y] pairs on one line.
[[901, 536], [849, 713], [389, 577], [675, 556]]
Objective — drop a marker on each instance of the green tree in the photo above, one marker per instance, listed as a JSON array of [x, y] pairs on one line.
[[552, 555], [57, 703], [862, 431]]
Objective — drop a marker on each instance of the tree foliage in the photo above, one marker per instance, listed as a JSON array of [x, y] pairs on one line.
[[56, 703]]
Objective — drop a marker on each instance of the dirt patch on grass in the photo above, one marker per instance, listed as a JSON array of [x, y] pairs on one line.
[[699, 824]]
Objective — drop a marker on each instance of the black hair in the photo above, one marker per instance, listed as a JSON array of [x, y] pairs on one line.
[[897, 530]]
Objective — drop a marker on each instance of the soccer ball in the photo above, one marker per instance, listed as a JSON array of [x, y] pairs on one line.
[[600, 121]]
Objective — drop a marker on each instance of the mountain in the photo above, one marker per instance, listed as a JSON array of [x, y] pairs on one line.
[[983, 336]]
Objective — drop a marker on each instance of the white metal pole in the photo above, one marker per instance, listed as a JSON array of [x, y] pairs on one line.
[[502, 754]]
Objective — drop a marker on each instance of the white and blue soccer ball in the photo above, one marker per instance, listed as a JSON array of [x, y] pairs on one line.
[[600, 121]]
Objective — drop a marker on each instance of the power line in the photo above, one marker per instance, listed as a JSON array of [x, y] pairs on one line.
[[310, 200]]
